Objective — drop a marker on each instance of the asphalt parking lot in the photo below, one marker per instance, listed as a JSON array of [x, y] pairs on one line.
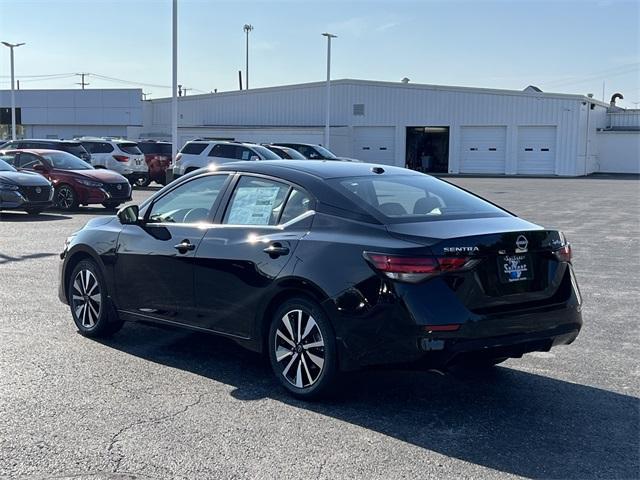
[[160, 403]]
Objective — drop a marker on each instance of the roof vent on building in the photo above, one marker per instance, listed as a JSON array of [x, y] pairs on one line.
[[532, 88], [358, 109], [614, 97], [405, 80]]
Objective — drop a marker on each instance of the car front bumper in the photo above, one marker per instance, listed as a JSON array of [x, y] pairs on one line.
[[16, 200]]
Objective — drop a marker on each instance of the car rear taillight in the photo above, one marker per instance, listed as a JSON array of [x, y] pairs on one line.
[[121, 158], [563, 254], [415, 269]]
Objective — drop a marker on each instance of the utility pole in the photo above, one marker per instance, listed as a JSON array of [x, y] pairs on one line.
[[174, 83], [13, 95], [179, 90], [184, 91], [327, 111], [247, 28], [82, 83]]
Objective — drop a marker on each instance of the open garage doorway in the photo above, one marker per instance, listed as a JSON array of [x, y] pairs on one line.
[[428, 149]]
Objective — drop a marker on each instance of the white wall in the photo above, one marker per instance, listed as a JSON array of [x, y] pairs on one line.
[[619, 151]]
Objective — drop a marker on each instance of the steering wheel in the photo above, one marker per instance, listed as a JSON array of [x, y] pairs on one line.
[[196, 215]]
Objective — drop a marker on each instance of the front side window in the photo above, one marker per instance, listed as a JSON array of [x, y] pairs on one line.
[[243, 153], [256, 201], [223, 150], [74, 149], [29, 160], [190, 203], [414, 198]]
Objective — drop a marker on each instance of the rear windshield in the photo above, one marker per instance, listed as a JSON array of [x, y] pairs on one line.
[[155, 148], [414, 198], [193, 148], [266, 153], [130, 148], [73, 148]]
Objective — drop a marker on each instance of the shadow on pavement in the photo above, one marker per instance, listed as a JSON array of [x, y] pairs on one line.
[[24, 217], [6, 258], [507, 420]]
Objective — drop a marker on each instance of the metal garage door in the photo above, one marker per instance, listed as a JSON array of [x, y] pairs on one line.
[[537, 150], [483, 149], [375, 144]]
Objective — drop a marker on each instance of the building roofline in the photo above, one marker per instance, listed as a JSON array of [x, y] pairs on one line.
[[379, 83]]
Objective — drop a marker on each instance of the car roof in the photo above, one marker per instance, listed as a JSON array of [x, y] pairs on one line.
[[47, 140], [324, 169], [37, 151]]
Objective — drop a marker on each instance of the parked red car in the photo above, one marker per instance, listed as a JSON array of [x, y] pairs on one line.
[[75, 182], [158, 157]]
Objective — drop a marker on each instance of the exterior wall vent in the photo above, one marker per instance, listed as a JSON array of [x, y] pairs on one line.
[[358, 109]]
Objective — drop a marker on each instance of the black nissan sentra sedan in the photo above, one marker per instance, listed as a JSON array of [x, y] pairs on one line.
[[23, 190], [328, 266]]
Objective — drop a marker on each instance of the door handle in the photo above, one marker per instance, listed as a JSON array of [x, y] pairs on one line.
[[276, 249], [185, 246]]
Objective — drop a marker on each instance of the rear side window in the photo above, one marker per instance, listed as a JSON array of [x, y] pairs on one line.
[[192, 148], [414, 198], [265, 153], [256, 201], [98, 147], [223, 150], [130, 148], [297, 204], [73, 148]]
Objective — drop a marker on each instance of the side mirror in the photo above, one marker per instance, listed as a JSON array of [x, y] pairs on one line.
[[129, 215], [253, 158]]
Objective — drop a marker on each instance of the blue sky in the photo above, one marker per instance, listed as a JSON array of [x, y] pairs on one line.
[[561, 46]]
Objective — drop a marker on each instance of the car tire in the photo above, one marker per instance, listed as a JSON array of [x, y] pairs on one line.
[[88, 299], [302, 349], [34, 211], [65, 197]]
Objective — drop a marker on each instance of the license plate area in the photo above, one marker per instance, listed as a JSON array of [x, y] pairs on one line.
[[515, 268]]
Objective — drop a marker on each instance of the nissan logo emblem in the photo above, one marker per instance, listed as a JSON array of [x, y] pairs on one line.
[[119, 187], [38, 190], [522, 243]]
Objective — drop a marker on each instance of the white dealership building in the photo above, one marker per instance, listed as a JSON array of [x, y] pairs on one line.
[[426, 127]]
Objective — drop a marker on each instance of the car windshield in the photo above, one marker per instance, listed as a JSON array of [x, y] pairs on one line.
[[65, 161], [324, 152], [414, 198], [266, 153], [5, 167], [130, 148]]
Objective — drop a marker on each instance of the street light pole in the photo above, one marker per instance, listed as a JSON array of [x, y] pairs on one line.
[[13, 95], [174, 84], [327, 110], [247, 28]]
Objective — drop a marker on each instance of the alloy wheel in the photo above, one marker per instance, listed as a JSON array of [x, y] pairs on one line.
[[86, 299], [65, 198], [299, 348]]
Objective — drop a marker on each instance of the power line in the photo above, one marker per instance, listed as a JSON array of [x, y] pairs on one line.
[[611, 72]]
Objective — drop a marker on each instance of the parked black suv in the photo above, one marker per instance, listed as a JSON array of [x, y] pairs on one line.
[[314, 152], [69, 146]]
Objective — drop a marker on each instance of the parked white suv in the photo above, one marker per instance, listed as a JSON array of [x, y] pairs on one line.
[[202, 153], [121, 156]]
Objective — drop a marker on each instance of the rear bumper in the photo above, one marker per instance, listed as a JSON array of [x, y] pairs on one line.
[[393, 332]]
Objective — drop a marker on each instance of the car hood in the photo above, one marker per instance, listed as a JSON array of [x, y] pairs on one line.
[[24, 178], [100, 175]]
